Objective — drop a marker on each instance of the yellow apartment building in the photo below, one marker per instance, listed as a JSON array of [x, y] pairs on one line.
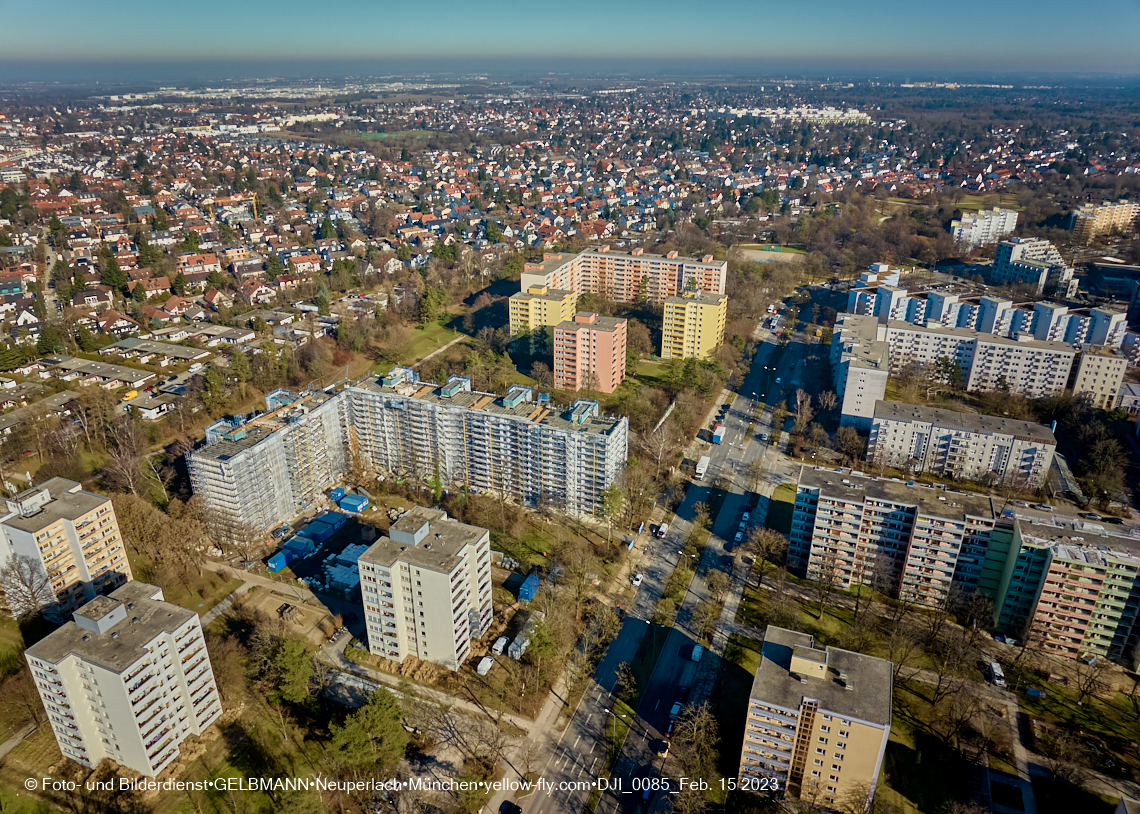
[[693, 325]]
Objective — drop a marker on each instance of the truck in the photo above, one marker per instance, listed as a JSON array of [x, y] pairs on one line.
[[718, 433], [703, 466], [130, 394]]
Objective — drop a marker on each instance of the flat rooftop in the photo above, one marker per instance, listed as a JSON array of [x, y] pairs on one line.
[[68, 502], [966, 422], [845, 485], [123, 644], [554, 417], [869, 700], [440, 548], [132, 345], [983, 338]]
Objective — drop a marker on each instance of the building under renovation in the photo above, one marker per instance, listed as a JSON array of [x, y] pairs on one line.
[[266, 469]]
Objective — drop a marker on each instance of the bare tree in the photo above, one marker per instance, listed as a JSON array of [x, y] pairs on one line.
[[903, 649], [1090, 677], [1063, 753], [27, 586], [695, 741], [957, 712], [768, 548], [755, 473], [804, 411], [827, 400]]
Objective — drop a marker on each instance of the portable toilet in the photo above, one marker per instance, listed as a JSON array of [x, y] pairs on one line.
[[528, 589]]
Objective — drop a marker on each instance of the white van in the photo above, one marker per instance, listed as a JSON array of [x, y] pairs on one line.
[[997, 676], [698, 651], [485, 665], [500, 645]]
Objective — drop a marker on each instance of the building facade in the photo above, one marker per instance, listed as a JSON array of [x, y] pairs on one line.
[[71, 538], [590, 352], [531, 451], [1034, 262], [426, 589], [1098, 375], [693, 325], [539, 307], [960, 445], [265, 470], [986, 226], [129, 679], [818, 720], [1090, 221], [632, 276]]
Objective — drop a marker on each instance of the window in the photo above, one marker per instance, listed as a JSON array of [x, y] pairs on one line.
[[823, 740], [825, 729], [821, 751], [818, 762]]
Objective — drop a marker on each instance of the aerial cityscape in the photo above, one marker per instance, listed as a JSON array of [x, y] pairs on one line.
[[447, 421]]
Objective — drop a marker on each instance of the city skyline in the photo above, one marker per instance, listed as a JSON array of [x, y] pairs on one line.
[[87, 42]]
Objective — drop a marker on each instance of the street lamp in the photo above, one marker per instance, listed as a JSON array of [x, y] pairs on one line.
[[613, 729]]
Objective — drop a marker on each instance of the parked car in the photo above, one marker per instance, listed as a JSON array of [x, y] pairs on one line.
[[1116, 521], [1020, 503], [764, 436], [675, 710], [637, 579], [663, 748], [1044, 507], [746, 516], [779, 380], [1089, 515], [739, 536]]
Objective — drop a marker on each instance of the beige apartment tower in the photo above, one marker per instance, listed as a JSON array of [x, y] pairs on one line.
[[818, 721], [129, 680], [426, 588], [589, 352], [693, 325], [539, 307], [71, 537]]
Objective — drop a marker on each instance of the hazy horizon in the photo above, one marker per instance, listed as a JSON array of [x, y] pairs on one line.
[[136, 42]]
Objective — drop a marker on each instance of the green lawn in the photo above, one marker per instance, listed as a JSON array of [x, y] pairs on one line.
[[18, 802], [779, 515], [650, 373], [197, 593], [427, 341]]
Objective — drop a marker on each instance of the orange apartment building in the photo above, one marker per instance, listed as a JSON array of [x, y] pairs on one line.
[[589, 352], [627, 276]]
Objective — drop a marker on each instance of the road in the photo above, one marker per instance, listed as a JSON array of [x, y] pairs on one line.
[[579, 754]]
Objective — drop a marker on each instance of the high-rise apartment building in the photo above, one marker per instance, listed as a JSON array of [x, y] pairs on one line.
[[268, 469], [129, 679], [864, 352], [632, 276], [1035, 262], [693, 325], [589, 352], [71, 537], [1090, 220], [539, 307], [531, 451], [426, 588], [986, 226], [265, 470], [960, 445], [1097, 376], [1064, 585], [914, 541], [818, 721]]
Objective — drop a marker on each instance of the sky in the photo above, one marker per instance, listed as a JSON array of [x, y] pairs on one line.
[[134, 38]]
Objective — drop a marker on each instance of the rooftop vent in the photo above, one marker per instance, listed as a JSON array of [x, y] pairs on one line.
[[86, 637]]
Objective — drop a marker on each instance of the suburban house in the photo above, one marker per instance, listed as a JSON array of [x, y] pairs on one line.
[[218, 299], [256, 292], [115, 324]]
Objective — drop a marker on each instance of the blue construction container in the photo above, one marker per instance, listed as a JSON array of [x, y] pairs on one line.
[[300, 546], [528, 589], [336, 494], [334, 520], [280, 560], [354, 503]]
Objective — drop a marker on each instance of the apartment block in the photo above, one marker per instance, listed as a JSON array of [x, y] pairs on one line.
[[960, 445], [1098, 375], [632, 276], [923, 543], [129, 679], [693, 325], [72, 536], [539, 307], [818, 720], [864, 352], [426, 588], [590, 352], [1090, 221], [265, 470], [986, 226], [531, 451], [1034, 262], [1066, 585], [1067, 588]]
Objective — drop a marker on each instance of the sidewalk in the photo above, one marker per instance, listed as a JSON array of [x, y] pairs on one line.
[[437, 351]]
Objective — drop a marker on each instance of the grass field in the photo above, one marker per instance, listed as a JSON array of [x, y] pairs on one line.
[[650, 373]]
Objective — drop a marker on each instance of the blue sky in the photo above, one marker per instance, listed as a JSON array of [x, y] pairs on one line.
[[803, 35]]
